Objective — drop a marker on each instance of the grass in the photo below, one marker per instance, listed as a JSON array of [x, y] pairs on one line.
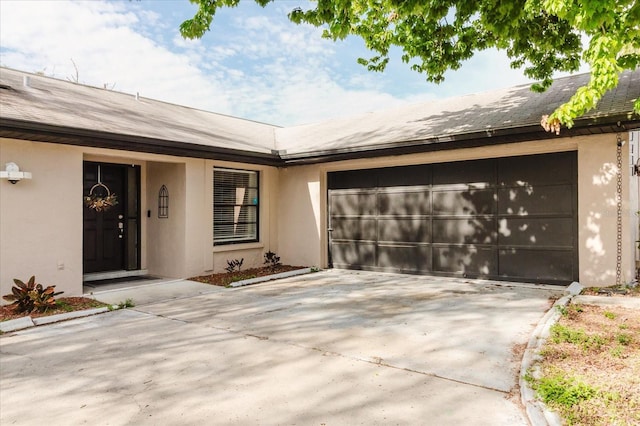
[[590, 368]]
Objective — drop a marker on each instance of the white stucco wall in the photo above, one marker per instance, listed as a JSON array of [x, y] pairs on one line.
[[634, 192], [41, 218], [166, 238], [597, 166], [301, 216]]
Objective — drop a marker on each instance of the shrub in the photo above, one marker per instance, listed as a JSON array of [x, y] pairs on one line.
[[234, 264], [272, 259], [31, 297]]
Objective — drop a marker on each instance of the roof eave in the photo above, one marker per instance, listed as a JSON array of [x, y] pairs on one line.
[[490, 136], [27, 130], [40, 132]]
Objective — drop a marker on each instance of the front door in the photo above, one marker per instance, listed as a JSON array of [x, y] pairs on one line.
[[110, 223]]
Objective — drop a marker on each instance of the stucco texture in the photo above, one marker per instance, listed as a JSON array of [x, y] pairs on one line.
[[41, 218]]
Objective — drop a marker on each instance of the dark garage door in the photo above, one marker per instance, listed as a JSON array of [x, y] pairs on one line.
[[510, 218]]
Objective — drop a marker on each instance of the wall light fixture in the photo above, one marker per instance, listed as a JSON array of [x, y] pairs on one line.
[[13, 174]]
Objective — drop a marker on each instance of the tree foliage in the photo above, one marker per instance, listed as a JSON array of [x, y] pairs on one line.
[[539, 36]]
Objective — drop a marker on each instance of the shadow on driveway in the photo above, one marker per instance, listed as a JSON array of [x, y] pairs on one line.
[[336, 347]]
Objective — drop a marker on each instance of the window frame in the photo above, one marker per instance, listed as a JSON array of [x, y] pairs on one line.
[[251, 239]]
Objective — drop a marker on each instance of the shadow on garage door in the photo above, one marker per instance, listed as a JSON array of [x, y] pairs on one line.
[[509, 218]]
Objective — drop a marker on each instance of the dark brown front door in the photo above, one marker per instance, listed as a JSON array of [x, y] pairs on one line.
[[107, 233], [508, 218]]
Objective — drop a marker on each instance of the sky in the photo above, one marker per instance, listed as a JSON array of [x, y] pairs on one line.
[[254, 63]]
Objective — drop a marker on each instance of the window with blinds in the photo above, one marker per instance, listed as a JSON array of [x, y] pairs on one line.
[[235, 206]]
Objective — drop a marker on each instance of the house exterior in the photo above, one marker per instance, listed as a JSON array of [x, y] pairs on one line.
[[470, 186]]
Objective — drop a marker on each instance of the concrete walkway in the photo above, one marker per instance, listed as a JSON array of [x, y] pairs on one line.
[[155, 291], [334, 348]]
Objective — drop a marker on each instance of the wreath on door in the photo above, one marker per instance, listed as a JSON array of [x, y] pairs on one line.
[[100, 198]]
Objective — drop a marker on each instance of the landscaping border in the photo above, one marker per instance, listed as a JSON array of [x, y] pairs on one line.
[[27, 322], [538, 413], [281, 275]]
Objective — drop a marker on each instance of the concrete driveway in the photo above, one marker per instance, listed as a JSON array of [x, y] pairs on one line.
[[331, 348]]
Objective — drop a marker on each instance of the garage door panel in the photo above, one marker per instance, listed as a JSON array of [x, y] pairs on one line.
[[404, 203], [536, 231], [536, 199], [536, 169], [352, 179], [406, 258], [353, 204], [354, 229], [478, 230], [464, 202], [544, 265], [404, 176], [512, 218], [467, 172], [351, 254], [404, 230], [465, 260]]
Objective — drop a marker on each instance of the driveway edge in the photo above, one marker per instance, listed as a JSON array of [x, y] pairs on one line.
[[537, 412], [28, 322]]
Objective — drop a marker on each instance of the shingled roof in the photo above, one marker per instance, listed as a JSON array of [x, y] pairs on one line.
[[498, 116], [59, 111], [64, 109]]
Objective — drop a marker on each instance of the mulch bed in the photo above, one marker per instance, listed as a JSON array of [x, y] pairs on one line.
[[65, 304], [226, 278]]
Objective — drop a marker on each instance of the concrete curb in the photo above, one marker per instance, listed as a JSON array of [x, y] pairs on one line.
[[537, 411], [27, 322], [69, 315], [16, 324], [281, 275]]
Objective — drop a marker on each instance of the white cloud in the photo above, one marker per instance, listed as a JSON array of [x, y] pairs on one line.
[[254, 63], [105, 41]]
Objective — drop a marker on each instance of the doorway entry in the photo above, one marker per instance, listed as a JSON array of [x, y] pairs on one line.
[[111, 217]]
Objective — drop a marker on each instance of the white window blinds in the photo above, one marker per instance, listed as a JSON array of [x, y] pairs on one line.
[[235, 206]]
